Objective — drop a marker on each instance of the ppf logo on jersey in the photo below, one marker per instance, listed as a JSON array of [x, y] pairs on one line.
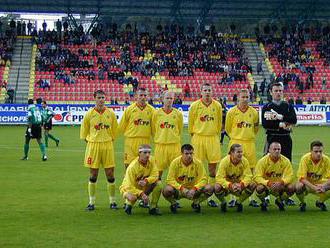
[[206, 118], [166, 125], [140, 122], [243, 124]]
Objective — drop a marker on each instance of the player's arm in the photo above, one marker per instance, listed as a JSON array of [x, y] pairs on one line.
[[153, 123], [130, 181], [302, 173], [171, 177], [229, 122], [287, 175], [259, 173], [291, 117], [154, 174], [220, 118], [180, 123], [201, 178], [123, 122], [114, 125], [256, 122], [247, 174], [84, 128], [220, 177], [191, 119]]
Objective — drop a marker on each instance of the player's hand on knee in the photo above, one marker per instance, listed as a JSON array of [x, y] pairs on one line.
[[145, 198], [191, 193], [320, 188], [142, 183], [236, 187]]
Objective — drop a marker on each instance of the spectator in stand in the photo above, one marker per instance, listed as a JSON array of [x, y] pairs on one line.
[[235, 99], [29, 27], [186, 90], [299, 101], [291, 101], [324, 82], [178, 100], [4, 84], [259, 67], [11, 94], [263, 87], [309, 100], [323, 100]]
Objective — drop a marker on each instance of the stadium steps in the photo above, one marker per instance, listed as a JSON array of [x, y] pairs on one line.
[[19, 73], [255, 54]]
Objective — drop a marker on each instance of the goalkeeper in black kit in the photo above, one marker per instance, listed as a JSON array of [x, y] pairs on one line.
[[278, 117]]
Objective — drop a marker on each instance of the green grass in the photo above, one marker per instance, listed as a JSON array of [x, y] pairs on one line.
[[42, 205]]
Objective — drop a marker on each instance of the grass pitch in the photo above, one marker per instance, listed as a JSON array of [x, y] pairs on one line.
[[42, 205]]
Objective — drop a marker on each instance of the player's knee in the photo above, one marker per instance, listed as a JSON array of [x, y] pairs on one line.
[[168, 191], [279, 188], [260, 189], [93, 179], [208, 189], [252, 187], [299, 188], [290, 189], [131, 198], [218, 188], [111, 179]]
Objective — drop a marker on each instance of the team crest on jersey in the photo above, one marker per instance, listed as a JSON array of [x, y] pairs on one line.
[[314, 176], [140, 122], [206, 118], [166, 125], [101, 126], [243, 124]]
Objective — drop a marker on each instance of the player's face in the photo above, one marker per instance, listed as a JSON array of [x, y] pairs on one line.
[[243, 98], [168, 99], [237, 155], [277, 93], [275, 150], [144, 156], [141, 97], [206, 92], [317, 152], [100, 100], [187, 156], [43, 105]]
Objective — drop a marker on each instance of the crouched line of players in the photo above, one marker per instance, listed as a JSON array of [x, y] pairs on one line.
[[187, 178]]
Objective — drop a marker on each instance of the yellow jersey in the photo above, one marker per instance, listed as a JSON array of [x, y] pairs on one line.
[[136, 172], [99, 126], [205, 120], [229, 173], [242, 125], [269, 171], [136, 121], [181, 176], [314, 172], [167, 127]]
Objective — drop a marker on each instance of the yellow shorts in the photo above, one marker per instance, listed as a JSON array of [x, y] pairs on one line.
[[165, 154], [99, 155], [131, 150], [207, 148], [249, 150]]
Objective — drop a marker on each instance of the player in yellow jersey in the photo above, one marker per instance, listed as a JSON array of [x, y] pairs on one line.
[[274, 175], [98, 130], [314, 176], [167, 125], [141, 179], [204, 126], [242, 125], [187, 178], [135, 124], [234, 176]]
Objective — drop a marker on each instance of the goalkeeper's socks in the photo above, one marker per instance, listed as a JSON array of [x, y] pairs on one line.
[[42, 149], [26, 149]]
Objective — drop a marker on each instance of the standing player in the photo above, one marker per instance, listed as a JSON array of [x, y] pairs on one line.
[[136, 126], [141, 179], [167, 124], [242, 125], [314, 176], [278, 117], [234, 176], [33, 130], [98, 130], [274, 175], [47, 115], [205, 121], [187, 179]]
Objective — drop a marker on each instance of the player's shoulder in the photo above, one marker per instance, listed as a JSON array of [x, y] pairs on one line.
[[176, 111], [195, 103], [176, 161], [285, 159], [252, 109], [232, 110], [306, 156], [326, 158], [197, 162], [264, 158], [225, 160], [245, 161], [216, 103]]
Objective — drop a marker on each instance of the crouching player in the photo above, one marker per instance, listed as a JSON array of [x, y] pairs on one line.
[[141, 180], [314, 176], [187, 179], [274, 175], [234, 177]]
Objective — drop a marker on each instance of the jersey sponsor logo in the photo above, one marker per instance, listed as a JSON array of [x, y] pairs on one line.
[[206, 118], [314, 176], [184, 177], [273, 174], [243, 124], [166, 125], [101, 126], [140, 122], [63, 117]]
